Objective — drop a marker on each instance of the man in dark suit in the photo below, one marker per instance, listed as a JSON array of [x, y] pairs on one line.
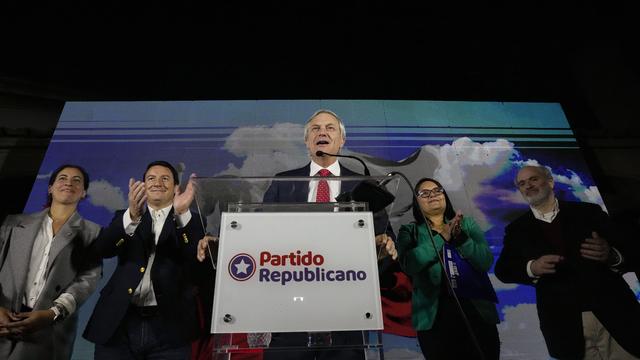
[[324, 131], [148, 307], [570, 253]]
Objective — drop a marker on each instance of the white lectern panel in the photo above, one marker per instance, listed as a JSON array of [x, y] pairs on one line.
[[285, 272]]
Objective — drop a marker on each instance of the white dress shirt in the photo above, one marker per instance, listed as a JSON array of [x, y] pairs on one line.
[[334, 186], [37, 276], [547, 217], [144, 294]]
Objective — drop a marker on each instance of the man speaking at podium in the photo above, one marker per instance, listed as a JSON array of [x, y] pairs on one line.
[[324, 132]]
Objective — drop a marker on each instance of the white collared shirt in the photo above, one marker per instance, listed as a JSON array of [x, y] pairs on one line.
[[334, 186], [547, 217], [37, 273], [144, 294]]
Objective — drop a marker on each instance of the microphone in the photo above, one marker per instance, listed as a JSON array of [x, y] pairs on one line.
[[321, 153], [384, 182]]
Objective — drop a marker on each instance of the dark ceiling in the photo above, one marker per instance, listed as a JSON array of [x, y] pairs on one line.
[[364, 49]]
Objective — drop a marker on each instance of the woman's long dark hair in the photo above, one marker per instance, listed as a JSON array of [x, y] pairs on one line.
[[449, 212]]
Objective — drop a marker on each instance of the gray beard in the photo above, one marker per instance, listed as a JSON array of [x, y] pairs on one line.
[[539, 198]]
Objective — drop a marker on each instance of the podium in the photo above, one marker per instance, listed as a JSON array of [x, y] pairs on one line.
[[295, 276]]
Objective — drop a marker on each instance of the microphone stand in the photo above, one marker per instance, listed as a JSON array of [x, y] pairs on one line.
[[320, 153]]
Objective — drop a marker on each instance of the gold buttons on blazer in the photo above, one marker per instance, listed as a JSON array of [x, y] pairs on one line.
[[130, 291], [120, 242], [185, 238], [142, 269]]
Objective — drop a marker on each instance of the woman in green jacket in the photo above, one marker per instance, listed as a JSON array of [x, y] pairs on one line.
[[442, 332]]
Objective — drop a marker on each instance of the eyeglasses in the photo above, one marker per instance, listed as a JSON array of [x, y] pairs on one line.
[[425, 194]]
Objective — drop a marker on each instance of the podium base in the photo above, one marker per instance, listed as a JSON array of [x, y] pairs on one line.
[[283, 345], [319, 339]]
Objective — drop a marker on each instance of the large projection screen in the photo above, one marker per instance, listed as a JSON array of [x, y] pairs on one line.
[[473, 148]]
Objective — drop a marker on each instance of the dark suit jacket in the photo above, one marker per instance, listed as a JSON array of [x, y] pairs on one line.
[[298, 191], [175, 275], [578, 283]]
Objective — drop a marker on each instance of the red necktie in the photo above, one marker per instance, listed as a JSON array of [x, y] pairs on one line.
[[323, 193]]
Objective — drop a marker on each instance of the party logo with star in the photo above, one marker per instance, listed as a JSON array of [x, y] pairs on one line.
[[242, 267]]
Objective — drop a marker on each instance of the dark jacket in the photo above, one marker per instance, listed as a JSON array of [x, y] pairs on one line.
[[298, 191], [419, 260], [579, 284], [175, 275]]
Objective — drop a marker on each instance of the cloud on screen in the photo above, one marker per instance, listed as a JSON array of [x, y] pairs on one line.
[[102, 193]]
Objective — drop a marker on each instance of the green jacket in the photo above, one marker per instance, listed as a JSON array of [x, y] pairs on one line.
[[419, 261]]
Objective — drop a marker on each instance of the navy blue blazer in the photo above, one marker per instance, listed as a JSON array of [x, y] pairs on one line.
[[176, 275]]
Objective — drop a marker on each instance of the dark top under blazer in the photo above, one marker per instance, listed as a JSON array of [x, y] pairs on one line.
[[578, 283], [175, 275]]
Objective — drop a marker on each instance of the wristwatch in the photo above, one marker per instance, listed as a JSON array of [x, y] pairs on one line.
[[59, 312]]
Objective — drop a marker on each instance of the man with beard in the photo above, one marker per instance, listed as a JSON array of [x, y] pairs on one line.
[[148, 307], [569, 252]]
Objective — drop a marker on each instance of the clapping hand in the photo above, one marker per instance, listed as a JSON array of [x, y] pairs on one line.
[[182, 200], [595, 248], [137, 197], [452, 229]]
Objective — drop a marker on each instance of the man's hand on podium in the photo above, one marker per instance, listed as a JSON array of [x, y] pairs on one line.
[[386, 247], [210, 242]]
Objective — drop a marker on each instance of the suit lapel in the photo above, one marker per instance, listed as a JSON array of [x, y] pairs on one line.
[[64, 237], [22, 239], [300, 188], [423, 234], [145, 232], [347, 186], [347, 172]]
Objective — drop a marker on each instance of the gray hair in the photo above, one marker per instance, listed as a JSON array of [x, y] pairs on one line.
[[542, 170], [325, 111]]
